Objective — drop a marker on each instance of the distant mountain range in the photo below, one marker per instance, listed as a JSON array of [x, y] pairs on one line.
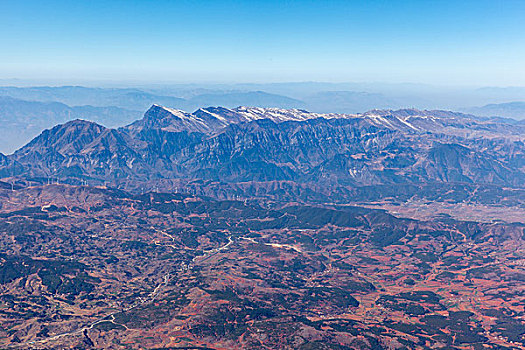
[[249, 227], [225, 152], [515, 110], [133, 99], [136, 99], [26, 111], [348, 101], [23, 120]]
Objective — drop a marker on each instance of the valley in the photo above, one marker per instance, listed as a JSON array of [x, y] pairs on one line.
[[254, 228], [170, 270]]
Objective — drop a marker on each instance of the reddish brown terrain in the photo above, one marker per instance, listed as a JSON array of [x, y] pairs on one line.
[[84, 267], [254, 228]]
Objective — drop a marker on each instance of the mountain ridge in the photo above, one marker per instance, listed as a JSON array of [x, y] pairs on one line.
[[221, 147]]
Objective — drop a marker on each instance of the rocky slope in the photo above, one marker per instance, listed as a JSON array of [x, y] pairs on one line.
[[385, 230], [223, 147], [23, 120]]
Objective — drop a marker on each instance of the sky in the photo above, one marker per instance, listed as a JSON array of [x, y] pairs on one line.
[[478, 43]]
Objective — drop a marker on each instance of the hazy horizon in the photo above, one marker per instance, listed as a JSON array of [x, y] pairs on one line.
[[262, 174], [469, 43], [123, 83]]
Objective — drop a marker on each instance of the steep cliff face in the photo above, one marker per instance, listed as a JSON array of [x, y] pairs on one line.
[[171, 120], [265, 145], [9, 166]]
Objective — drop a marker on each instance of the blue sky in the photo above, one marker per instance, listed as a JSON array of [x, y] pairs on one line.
[[436, 42]]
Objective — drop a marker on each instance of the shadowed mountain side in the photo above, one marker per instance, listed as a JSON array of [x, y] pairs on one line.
[[23, 120], [321, 152]]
